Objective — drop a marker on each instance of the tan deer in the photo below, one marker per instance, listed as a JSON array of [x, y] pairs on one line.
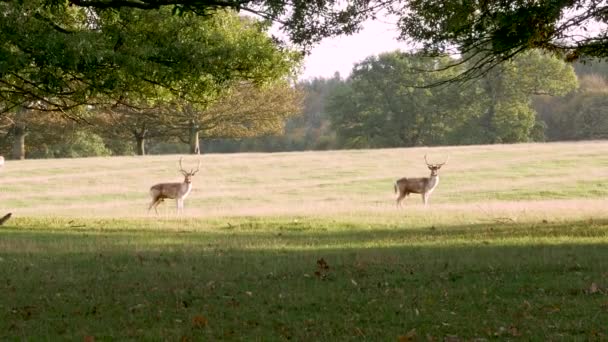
[[177, 191], [423, 186]]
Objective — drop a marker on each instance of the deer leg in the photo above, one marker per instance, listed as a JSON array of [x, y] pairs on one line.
[[425, 198], [400, 198], [154, 203], [180, 205]]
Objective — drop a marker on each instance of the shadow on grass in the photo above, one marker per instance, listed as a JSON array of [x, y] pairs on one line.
[[301, 281]]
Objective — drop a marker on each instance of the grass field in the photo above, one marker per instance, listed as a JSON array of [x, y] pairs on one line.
[[309, 246]]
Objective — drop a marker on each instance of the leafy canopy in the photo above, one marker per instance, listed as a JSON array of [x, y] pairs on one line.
[[61, 57], [488, 31]]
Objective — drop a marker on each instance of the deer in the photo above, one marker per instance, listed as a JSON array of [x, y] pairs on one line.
[[423, 185], [177, 191]]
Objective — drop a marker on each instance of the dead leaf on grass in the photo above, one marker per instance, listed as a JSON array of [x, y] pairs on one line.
[[199, 321], [593, 288], [409, 336], [89, 338], [514, 331]]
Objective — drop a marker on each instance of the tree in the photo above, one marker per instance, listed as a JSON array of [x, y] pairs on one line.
[[490, 32], [380, 105], [306, 22], [582, 114], [309, 131], [244, 111], [125, 123], [50, 136], [61, 57], [507, 91]]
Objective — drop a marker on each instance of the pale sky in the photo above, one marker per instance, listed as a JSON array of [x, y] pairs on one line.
[[341, 53], [377, 36]]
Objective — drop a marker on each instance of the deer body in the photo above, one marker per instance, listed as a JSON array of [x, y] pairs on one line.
[[423, 185], [178, 191]]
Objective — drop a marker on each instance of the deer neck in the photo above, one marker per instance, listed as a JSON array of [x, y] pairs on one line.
[[432, 183], [186, 188]]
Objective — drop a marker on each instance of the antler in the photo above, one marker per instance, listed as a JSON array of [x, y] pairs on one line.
[[197, 168], [426, 161], [181, 168], [445, 162]]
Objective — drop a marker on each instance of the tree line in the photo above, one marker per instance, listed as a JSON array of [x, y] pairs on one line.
[[535, 97], [79, 81], [383, 103], [89, 77]]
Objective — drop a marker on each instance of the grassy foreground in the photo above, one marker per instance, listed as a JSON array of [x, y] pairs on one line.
[[309, 247], [305, 279]]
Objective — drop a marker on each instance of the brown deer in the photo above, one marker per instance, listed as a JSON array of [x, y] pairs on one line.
[[177, 191], [423, 186]]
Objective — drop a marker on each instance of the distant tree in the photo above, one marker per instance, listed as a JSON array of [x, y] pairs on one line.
[[582, 114], [380, 106], [50, 136], [309, 131], [127, 123], [507, 114], [245, 111]]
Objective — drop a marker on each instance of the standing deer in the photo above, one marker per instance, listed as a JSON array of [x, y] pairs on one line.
[[177, 191], [423, 186]]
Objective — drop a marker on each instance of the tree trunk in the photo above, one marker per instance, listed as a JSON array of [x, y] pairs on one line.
[[195, 147], [19, 144], [140, 145]]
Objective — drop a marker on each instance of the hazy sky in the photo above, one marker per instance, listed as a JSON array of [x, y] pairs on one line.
[[341, 53]]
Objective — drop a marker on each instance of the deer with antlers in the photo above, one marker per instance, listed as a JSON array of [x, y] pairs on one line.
[[423, 185], [177, 191]]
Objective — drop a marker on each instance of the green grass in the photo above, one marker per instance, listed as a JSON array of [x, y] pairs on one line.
[[259, 279], [310, 247]]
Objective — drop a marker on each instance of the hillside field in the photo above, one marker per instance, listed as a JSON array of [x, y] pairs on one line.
[[309, 246]]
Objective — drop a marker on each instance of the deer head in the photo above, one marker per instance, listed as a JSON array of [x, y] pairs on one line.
[[188, 174], [435, 167]]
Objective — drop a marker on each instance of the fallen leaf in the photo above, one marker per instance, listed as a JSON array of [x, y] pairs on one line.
[[594, 288], [514, 332], [199, 321], [89, 338], [409, 336], [322, 264], [354, 282]]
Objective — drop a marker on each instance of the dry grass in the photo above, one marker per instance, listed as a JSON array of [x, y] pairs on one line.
[[568, 180]]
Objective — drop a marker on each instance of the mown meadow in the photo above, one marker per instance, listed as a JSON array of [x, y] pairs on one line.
[[310, 246]]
